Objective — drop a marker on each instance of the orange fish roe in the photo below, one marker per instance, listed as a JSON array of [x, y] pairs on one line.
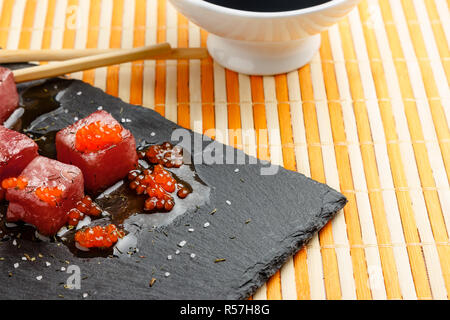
[[19, 183], [84, 207], [183, 192], [157, 184], [98, 236], [89, 207], [165, 154], [97, 136], [50, 195], [74, 217]]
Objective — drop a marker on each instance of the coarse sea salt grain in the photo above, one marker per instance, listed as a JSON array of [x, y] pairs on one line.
[[206, 225], [177, 252], [100, 108], [16, 265], [63, 269], [79, 93], [152, 134], [192, 255], [48, 264], [182, 243], [236, 170], [39, 278], [228, 202], [191, 229], [167, 274], [85, 295], [169, 257]]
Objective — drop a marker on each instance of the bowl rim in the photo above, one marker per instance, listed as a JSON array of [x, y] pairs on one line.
[[256, 14]]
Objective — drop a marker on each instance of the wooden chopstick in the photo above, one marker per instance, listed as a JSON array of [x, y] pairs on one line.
[[14, 56], [91, 62]]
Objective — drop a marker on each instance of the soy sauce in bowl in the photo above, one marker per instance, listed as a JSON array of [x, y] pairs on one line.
[[267, 5]]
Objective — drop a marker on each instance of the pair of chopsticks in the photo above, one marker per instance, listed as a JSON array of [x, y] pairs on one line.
[[79, 60]]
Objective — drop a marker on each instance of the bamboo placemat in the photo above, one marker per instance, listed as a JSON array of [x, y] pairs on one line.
[[369, 116]]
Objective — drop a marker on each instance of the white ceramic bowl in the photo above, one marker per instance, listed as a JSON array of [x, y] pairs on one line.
[[263, 43]]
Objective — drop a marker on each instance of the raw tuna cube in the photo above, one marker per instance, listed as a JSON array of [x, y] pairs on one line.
[[16, 152], [53, 189], [98, 145], [9, 98]]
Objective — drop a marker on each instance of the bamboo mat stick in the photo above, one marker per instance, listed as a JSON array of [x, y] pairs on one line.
[[14, 56], [91, 62]]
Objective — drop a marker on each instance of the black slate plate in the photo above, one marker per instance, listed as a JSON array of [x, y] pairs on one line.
[[258, 221]]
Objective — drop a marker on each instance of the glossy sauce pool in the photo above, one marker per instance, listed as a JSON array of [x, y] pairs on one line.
[[267, 5]]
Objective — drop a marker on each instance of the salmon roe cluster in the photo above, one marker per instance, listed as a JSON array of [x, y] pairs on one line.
[[97, 136], [165, 154], [98, 236], [84, 207], [52, 196], [19, 183], [158, 184]]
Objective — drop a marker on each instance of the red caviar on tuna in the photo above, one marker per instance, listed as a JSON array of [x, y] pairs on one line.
[[52, 196], [16, 152], [53, 189], [97, 136], [98, 145], [18, 183], [98, 236], [9, 98]]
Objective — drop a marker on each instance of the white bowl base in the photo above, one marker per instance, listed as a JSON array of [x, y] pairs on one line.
[[263, 58]]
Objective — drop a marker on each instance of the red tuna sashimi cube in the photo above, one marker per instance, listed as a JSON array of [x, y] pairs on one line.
[[9, 98], [103, 161], [16, 152], [53, 189]]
